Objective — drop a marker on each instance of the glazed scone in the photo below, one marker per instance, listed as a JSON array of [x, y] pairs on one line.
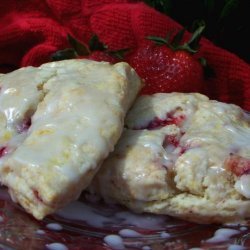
[[58, 123], [182, 155]]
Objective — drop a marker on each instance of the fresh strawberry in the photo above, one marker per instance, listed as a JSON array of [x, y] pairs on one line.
[[164, 70], [95, 50], [168, 67]]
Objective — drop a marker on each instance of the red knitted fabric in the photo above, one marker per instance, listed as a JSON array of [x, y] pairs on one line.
[[32, 30]]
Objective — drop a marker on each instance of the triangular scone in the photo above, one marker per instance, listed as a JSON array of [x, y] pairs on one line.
[[181, 155], [58, 123]]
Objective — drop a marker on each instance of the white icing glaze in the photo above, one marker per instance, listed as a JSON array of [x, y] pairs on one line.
[[19, 97], [1, 219], [242, 185], [60, 108], [164, 235], [114, 241], [146, 248], [223, 234], [236, 247], [79, 211], [21, 92], [40, 231], [56, 246], [146, 221], [54, 226], [129, 233], [240, 135], [89, 214]]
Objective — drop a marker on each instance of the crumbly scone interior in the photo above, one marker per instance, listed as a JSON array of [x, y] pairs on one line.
[[182, 155], [55, 132]]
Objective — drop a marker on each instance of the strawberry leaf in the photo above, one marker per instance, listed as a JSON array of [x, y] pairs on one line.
[[119, 54], [207, 69], [96, 44], [193, 43], [191, 46], [203, 61], [80, 49], [157, 40], [68, 53], [178, 38]]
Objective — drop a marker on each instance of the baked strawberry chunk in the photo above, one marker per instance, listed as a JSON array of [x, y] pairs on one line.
[[171, 119], [3, 151], [37, 195], [238, 165], [24, 125], [172, 140]]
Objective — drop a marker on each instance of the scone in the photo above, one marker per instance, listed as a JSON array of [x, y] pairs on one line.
[[181, 155], [58, 123]]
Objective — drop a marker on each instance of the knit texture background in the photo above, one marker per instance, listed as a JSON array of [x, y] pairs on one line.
[[32, 30]]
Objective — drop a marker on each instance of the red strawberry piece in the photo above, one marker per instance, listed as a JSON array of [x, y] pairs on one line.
[[172, 140], [238, 165], [3, 151], [165, 70], [37, 195], [170, 119], [157, 122]]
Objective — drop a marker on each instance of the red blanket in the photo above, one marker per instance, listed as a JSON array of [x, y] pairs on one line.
[[32, 30]]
